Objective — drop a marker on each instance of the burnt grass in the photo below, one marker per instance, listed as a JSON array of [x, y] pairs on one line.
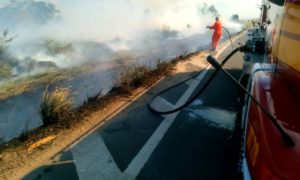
[[136, 77], [14, 154], [127, 84]]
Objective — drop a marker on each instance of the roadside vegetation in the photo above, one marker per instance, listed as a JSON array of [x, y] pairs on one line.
[[6, 61], [61, 121], [56, 106], [18, 86], [140, 75], [5, 71]]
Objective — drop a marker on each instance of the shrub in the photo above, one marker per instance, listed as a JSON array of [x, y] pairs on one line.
[[56, 105], [5, 71], [134, 77], [163, 67], [141, 75]]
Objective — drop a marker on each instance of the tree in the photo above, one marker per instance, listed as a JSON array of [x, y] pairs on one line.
[[213, 10], [205, 9], [21, 13], [235, 18]]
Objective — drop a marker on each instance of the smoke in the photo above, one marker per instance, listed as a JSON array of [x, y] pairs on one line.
[[70, 33]]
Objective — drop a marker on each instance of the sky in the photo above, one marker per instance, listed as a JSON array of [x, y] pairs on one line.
[[125, 15], [88, 19], [245, 8]]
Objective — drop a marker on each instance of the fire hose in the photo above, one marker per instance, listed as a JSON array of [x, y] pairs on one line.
[[229, 35], [152, 109], [218, 67]]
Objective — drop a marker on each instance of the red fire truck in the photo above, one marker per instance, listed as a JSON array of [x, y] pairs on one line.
[[271, 145]]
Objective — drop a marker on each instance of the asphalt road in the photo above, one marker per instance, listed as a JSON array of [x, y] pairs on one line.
[[199, 142]]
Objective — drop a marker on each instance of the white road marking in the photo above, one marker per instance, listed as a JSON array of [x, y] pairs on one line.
[[94, 160], [110, 116], [61, 162], [91, 163], [142, 157], [162, 104], [144, 154]]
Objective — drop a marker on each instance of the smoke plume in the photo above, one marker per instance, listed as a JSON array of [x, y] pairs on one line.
[[57, 34]]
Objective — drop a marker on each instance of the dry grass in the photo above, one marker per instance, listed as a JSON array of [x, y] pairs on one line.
[[163, 67], [5, 71], [56, 105], [22, 85], [16, 151], [141, 75], [134, 77]]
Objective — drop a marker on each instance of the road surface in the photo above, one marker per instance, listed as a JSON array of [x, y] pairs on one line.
[[199, 142]]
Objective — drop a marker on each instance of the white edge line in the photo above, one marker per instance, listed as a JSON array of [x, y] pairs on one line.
[[112, 115], [145, 152]]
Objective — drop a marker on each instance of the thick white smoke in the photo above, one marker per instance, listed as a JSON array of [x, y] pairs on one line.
[[74, 32], [67, 33]]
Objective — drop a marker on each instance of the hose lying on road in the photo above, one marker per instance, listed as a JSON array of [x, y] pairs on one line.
[[284, 135], [152, 109]]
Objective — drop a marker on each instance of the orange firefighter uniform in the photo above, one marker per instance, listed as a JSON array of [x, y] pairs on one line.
[[217, 34]]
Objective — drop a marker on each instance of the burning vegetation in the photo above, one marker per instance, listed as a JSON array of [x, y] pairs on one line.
[[119, 56], [66, 61]]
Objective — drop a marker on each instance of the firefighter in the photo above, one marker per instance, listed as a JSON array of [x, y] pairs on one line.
[[217, 33]]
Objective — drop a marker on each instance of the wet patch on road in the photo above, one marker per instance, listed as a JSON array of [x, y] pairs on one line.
[[215, 117]]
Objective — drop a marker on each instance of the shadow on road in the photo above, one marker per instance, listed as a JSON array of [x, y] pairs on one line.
[[194, 147]]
